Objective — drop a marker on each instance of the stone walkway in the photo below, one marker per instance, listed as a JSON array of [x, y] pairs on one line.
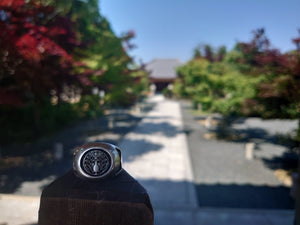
[[156, 153]]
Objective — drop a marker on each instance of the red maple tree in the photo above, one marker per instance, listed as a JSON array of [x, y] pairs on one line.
[[35, 52]]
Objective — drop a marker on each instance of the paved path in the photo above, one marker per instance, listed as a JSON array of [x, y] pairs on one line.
[[156, 153]]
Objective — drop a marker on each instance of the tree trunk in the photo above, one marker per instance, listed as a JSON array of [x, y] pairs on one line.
[[37, 117]]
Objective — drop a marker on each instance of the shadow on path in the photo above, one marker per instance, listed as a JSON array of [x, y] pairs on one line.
[[244, 196], [31, 170], [286, 161], [164, 128], [18, 168], [236, 196], [137, 148]]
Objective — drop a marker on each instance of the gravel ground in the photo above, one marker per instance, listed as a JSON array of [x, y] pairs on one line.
[[270, 127], [225, 178]]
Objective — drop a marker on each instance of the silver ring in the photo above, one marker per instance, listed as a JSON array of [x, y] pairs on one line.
[[97, 161]]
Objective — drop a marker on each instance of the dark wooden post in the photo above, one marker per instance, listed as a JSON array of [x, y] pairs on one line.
[[120, 200]]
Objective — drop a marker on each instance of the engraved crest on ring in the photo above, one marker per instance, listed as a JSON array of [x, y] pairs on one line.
[[96, 162]]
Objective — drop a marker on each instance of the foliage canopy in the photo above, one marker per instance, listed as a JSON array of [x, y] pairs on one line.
[[252, 80], [53, 55]]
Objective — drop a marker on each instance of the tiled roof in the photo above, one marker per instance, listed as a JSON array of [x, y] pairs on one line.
[[163, 68]]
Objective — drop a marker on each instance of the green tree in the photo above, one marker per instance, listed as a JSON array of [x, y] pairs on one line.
[[217, 86]]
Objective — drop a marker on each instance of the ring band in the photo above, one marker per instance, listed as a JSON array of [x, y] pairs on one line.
[[97, 161]]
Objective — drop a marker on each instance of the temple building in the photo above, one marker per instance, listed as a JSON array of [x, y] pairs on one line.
[[162, 72]]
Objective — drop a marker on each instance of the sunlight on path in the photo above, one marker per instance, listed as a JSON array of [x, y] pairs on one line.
[[156, 154]]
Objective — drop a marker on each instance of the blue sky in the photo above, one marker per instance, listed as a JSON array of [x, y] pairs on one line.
[[173, 28]]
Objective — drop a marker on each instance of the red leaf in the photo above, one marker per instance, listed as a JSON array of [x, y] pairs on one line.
[[84, 80], [80, 64], [27, 47], [99, 72], [57, 31], [12, 3]]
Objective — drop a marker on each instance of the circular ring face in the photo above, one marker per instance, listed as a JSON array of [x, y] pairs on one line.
[[96, 162]]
